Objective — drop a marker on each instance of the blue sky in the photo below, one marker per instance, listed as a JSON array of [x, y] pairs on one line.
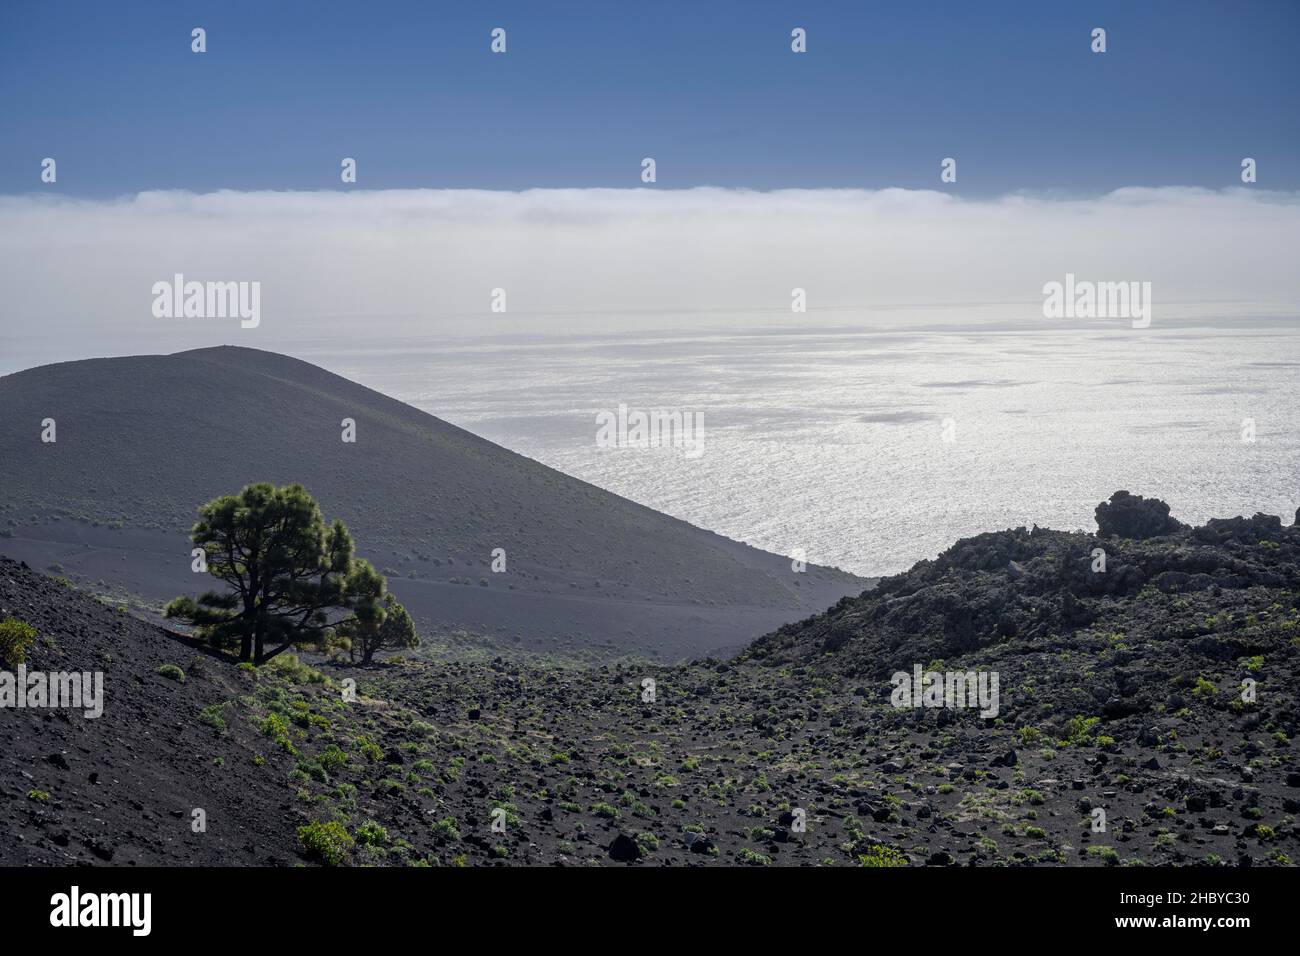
[[711, 90]]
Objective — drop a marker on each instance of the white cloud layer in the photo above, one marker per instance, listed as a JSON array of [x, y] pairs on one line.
[[77, 274]]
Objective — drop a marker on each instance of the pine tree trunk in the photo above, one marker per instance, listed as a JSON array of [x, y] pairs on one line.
[[246, 638]]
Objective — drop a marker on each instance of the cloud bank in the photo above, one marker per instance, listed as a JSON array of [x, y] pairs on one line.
[[409, 263]]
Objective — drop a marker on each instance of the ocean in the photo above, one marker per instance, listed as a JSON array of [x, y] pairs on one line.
[[870, 449]]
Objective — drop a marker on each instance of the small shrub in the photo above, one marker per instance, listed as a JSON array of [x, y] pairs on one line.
[[326, 841], [295, 671], [445, 829], [1106, 854], [171, 672], [15, 638], [882, 855], [333, 759], [373, 834], [214, 716], [370, 750], [1078, 731]]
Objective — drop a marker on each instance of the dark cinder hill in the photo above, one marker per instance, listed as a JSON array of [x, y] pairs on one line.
[[143, 441]]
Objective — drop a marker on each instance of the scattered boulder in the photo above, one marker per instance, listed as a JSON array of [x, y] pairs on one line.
[[624, 849], [697, 842], [57, 760], [1132, 516], [1007, 759], [1259, 527]]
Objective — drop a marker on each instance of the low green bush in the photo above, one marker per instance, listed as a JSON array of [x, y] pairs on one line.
[[171, 672], [15, 638], [327, 841]]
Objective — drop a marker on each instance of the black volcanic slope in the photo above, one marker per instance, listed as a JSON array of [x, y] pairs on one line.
[[1119, 691], [143, 441], [120, 789]]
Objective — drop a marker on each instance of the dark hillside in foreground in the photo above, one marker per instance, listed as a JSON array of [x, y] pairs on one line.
[[120, 788], [143, 441], [1118, 692]]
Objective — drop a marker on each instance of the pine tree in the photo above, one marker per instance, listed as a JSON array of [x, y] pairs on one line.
[[392, 630], [292, 581]]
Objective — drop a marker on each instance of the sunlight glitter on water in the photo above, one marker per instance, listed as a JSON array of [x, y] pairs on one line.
[[834, 441]]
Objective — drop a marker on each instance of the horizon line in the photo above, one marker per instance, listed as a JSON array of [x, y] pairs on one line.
[[1047, 194]]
